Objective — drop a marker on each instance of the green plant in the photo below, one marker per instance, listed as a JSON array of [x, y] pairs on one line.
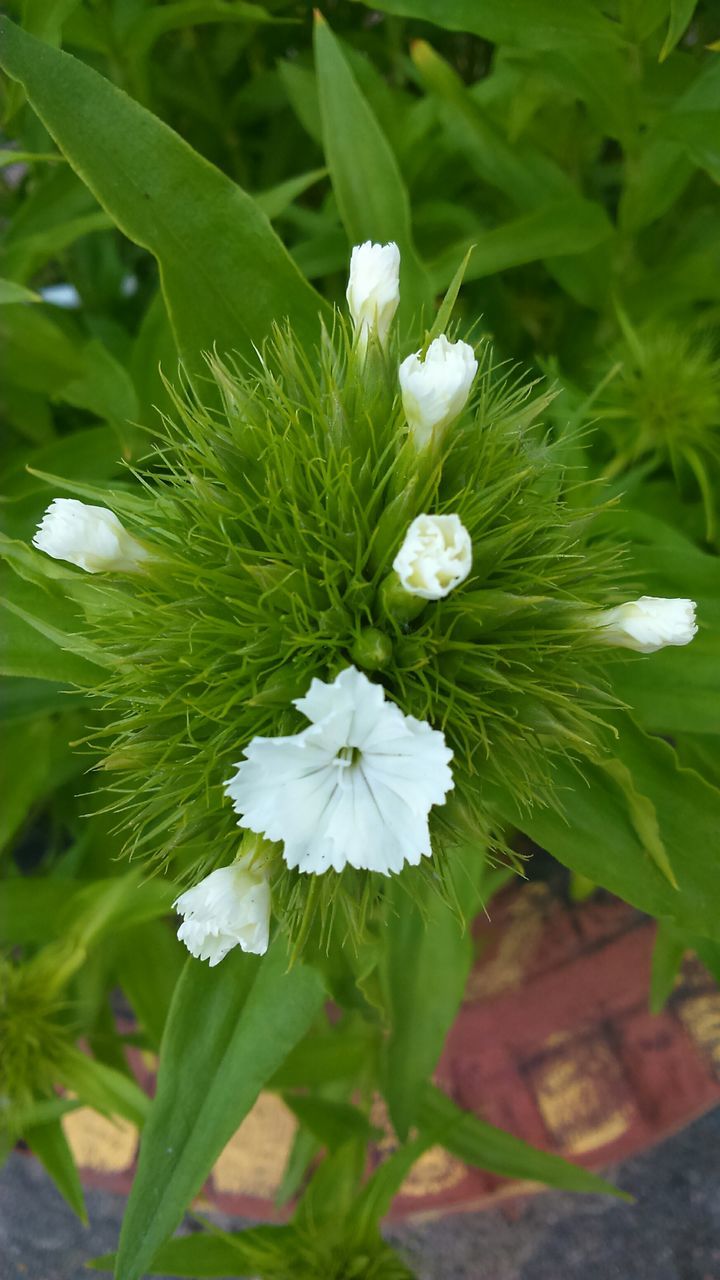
[[574, 158]]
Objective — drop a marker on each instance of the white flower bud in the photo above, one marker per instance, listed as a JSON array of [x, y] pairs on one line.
[[648, 624], [229, 908], [373, 291], [435, 556], [435, 390], [90, 537]]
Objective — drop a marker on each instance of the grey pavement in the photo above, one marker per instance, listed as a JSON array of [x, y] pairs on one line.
[[672, 1232]]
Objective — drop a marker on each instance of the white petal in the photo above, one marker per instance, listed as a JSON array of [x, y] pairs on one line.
[[648, 624], [229, 908], [90, 537], [373, 290], [354, 788], [435, 389], [435, 557]]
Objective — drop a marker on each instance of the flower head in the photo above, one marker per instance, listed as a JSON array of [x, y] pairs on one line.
[[90, 537], [354, 788], [649, 624], [435, 390], [435, 556], [229, 908], [373, 290]]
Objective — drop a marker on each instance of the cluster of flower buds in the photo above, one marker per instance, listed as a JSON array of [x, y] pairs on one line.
[[356, 786]]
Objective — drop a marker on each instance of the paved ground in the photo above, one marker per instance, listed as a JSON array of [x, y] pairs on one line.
[[671, 1233]]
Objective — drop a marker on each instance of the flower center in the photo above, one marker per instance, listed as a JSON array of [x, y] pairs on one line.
[[348, 756]]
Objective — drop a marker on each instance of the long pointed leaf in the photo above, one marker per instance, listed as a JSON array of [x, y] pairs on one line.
[[369, 188], [225, 274], [228, 1030], [479, 1143]]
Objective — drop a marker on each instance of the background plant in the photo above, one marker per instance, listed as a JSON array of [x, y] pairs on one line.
[[577, 156]]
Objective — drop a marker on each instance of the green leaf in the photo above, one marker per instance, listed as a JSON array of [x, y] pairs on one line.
[[25, 255], [301, 88], [681, 12], [34, 352], [48, 1142], [38, 909], [104, 387], [38, 761], [117, 902], [698, 133], [483, 1145], [157, 20], [225, 275], [594, 834], [529, 178], [56, 619], [103, 1087], [275, 200], [643, 817], [668, 951], [380, 1190], [26, 651], [332, 1123], [554, 230], [12, 292], [444, 315], [148, 965], [426, 963], [367, 182], [28, 699], [28, 157], [532, 24], [228, 1030], [325, 1057], [219, 1255], [661, 169]]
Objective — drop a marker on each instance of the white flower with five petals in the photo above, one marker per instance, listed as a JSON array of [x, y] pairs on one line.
[[354, 788]]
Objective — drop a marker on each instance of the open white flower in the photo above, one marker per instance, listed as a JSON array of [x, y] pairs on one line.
[[229, 908], [435, 390], [373, 291], [354, 788], [90, 537], [649, 624], [435, 556]]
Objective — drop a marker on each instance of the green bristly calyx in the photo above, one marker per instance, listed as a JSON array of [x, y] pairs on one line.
[[273, 522]]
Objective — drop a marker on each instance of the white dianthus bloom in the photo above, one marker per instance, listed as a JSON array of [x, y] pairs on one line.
[[90, 537], [229, 908], [354, 788], [373, 290], [649, 624], [435, 556], [435, 390]]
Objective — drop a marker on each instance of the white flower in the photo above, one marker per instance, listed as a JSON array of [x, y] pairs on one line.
[[373, 291], [435, 556], [90, 537], [229, 908], [649, 624], [355, 787], [435, 390]]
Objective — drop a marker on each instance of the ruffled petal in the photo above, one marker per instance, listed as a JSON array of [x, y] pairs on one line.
[[353, 789]]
